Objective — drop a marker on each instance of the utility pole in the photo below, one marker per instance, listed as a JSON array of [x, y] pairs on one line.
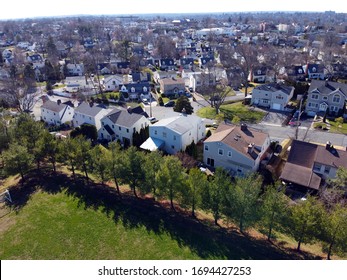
[[298, 121]]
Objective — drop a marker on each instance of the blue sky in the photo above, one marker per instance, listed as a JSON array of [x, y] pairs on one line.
[[37, 8]]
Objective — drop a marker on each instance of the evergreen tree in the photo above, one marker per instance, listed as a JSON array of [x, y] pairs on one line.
[[195, 185], [17, 159], [334, 230], [115, 163], [132, 170], [274, 209], [305, 221], [183, 105], [153, 163], [100, 158], [242, 201], [170, 179]]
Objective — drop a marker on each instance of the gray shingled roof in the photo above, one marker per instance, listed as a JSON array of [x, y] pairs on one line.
[[326, 87], [123, 118], [275, 87], [53, 106], [86, 109]]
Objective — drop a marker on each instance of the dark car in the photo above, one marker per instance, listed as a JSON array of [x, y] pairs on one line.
[[170, 103]]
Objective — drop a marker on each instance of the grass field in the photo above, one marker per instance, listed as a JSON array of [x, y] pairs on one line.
[[231, 110], [62, 219]]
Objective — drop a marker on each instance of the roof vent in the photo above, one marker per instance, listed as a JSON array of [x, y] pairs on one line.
[[243, 127], [236, 139], [328, 145]]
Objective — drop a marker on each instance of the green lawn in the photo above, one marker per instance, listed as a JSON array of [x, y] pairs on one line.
[[337, 127], [58, 226], [66, 220], [230, 110]]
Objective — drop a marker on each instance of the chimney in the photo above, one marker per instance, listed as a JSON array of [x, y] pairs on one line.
[[129, 109], [58, 101], [328, 145], [244, 127], [250, 148], [91, 103]]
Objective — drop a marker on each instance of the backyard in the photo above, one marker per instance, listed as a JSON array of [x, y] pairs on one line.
[[229, 111]]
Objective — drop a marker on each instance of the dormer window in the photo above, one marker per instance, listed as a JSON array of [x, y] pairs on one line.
[[300, 71], [314, 96], [132, 89], [314, 69]]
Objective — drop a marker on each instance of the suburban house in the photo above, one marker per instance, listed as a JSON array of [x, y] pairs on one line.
[[314, 71], [296, 73], [258, 75], [172, 87], [120, 124], [133, 91], [112, 82], [89, 113], [237, 149], [326, 95], [308, 164], [159, 75], [174, 134], [167, 64], [56, 113], [275, 96], [74, 69]]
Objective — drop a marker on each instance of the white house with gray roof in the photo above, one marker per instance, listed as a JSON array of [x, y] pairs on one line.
[[120, 124], [326, 95], [273, 95], [56, 113], [89, 113], [174, 134]]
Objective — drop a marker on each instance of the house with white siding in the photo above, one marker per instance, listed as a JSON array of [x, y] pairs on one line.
[[89, 113], [174, 134], [56, 113], [120, 124], [273, 95]]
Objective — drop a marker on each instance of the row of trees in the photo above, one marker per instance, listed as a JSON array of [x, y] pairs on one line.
[[245, 201]]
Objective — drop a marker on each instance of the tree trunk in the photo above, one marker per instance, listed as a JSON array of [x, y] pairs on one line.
[[85, 172], [299, 244], [73, 172], [216, 221], [117, 186], [171, 203], [54, 167], [134, 190]]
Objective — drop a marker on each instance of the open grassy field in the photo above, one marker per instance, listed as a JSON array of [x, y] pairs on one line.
[[57, 218], [230, 110]]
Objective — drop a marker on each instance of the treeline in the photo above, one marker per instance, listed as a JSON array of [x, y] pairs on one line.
[[245, 201]]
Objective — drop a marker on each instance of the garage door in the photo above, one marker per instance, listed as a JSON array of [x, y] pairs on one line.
[[276, 106]]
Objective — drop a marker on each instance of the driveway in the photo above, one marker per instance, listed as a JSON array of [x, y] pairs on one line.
[[275, 118]]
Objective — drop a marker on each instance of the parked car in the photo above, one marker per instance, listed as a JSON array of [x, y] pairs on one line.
[[152, 120], [170, 103]]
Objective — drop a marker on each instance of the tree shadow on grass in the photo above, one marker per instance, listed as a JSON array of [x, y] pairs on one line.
[[207, 241]]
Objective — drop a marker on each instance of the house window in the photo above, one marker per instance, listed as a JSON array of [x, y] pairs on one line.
[[314, 96], [229, 153], [336, 98], [317, 167], [334, 108], [265, 101], [113, 126], [172, 147], [220, 152], [206, 148], [174, 137], [325, 98], [132, 89], [134, 129], [164, 134], [327, 169], [155, 132], [119, 128], [127, 130]]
